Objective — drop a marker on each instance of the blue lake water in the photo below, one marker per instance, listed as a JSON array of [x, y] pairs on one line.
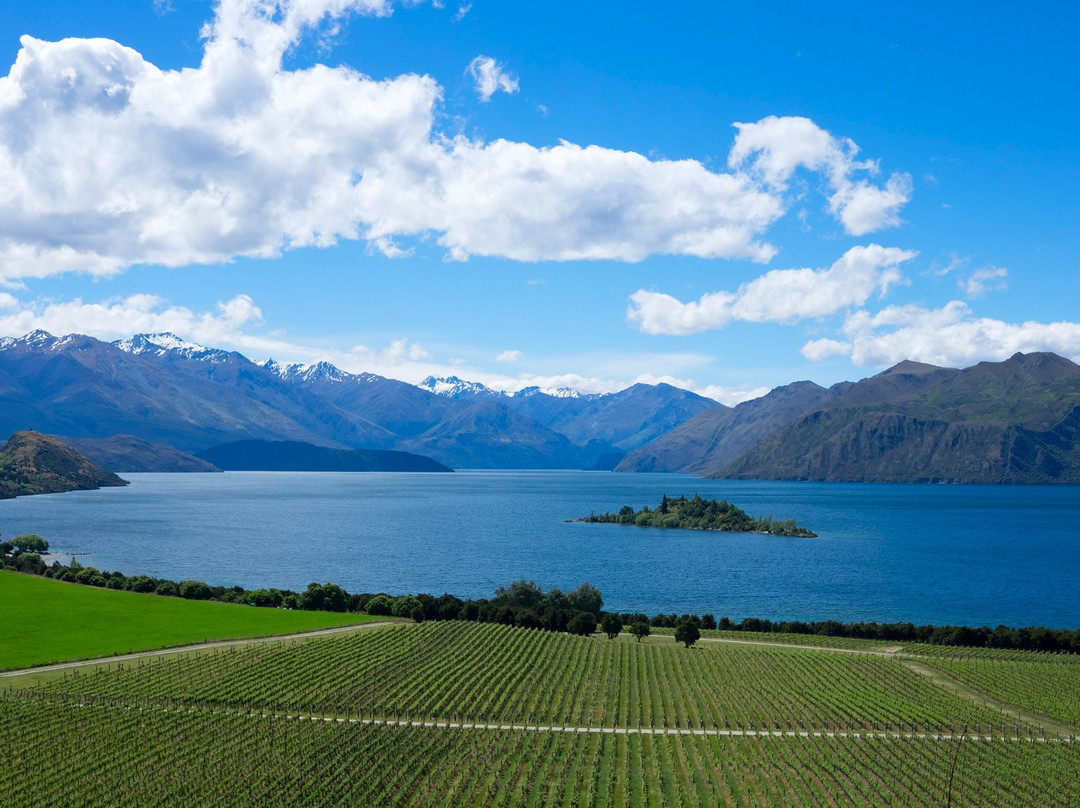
[[928, 554]]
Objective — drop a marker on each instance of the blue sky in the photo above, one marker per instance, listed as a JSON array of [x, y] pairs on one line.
[[726, 197]]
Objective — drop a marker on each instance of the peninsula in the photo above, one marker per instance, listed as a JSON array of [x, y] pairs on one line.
[[701, 514], [32, 463]]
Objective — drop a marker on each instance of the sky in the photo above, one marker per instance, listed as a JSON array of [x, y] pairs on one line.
[[725, 197]]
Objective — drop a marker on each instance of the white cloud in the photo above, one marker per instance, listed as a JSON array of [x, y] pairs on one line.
[[781, 295], [396, 353], [121, 317], [508, 357], [949, 336], [490, 77], [818, 350], [774, 148], [109, 161], [983, 280]]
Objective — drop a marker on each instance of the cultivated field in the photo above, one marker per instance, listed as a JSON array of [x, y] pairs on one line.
[[459, 714]]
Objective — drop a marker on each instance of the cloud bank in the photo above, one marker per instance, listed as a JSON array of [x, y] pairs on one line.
[[781, 295], [950, 336], [109, 162]]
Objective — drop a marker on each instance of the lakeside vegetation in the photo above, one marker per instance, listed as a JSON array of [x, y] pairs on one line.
[[700, 514], [525, 604]]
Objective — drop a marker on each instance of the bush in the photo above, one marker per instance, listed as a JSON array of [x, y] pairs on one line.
[[380, 605]]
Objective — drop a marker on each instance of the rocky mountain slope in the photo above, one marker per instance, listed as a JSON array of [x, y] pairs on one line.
[[1015, 421]]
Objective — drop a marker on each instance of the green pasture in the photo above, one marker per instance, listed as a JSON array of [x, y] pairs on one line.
[[46, 621]]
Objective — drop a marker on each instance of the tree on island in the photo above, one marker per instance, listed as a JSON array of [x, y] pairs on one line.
[[640, 630], [687, 632], [611, 624], [701, 514]]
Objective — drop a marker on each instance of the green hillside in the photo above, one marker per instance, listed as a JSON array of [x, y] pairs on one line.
[[50, 621]]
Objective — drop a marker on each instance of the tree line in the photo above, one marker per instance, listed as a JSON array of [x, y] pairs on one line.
[[525, 604]]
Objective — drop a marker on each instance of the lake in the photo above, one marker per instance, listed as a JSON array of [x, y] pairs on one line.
[[922, 553]]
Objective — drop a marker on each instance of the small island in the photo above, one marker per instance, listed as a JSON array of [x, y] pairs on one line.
[[700, 514]]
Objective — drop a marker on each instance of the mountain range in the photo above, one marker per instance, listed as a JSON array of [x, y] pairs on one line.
[[151, 401], [1016, 421], [162, 390]]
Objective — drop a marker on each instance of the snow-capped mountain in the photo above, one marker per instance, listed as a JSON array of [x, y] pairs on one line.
[[554, 392], [166, 343], [164, 389], [453, 387], [315, 372]]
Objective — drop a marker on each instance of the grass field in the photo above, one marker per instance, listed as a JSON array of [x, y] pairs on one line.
[[458, 714], [46, 621]]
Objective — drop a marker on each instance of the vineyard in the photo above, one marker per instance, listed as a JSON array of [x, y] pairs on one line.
[[449, 714]]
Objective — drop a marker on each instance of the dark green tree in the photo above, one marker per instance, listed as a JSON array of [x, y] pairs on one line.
[[194, 590], [582, 624], [587, 598], [405, 605], [525, 594], [641, 630], [30, 543], [380, 605], [611, 624], [687, 632]]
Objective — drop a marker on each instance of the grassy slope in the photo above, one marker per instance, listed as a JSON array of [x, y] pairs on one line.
[[50, 621]]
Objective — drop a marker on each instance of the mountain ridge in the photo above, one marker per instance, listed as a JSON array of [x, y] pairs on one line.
[[162, 389]]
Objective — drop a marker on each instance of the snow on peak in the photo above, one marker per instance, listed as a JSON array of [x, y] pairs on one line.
[[167, 342], [34, 339], [323, 371], [317, 371], [453, 387], [554, 392]]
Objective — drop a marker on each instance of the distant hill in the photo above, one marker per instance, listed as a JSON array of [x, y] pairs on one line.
[[32, 463], [125, 453], [1016, 421], [487, 434], [720, 434], [261, 455]]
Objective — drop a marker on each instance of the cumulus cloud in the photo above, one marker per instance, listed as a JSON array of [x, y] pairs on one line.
[[773, 148], [951, 336], [508, 357], [490, 77], [781, 295], [109, 161]]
